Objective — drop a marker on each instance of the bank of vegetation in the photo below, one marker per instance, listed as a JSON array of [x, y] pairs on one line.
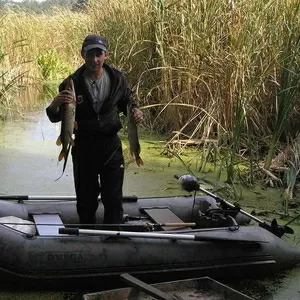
[[219, 75]]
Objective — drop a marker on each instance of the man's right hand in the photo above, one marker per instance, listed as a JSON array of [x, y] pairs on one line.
[[64, 97]]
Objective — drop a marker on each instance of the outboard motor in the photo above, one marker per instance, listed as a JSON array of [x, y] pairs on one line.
[[188, 183], [212, 212]]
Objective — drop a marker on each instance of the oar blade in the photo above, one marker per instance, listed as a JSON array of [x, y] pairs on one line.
[[277, 229], [288, 229]]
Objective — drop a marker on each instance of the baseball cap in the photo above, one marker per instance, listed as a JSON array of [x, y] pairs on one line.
[[94, 41]]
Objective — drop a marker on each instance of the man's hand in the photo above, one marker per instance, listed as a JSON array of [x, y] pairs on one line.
[[138, 115], [63, 97]]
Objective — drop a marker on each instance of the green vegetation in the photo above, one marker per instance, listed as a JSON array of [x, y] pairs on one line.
[[222, 75], [51, 66]]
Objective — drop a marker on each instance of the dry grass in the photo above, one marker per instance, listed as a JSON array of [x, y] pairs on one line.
[[192, 63], [24, 37]]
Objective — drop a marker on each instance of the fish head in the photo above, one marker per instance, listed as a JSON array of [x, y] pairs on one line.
[[70, 87]]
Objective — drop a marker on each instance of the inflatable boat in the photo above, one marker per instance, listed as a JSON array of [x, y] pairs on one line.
[[43, 246]]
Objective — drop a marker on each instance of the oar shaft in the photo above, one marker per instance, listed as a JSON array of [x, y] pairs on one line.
[[175, 224], [218, 235], [77, 231], [33, 197], [107, 225], [48, 197]]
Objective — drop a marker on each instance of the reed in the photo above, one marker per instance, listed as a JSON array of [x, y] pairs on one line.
[[40, 34], [36, 48], [288, 91], [10, 82], [204, 69], [292, 172]]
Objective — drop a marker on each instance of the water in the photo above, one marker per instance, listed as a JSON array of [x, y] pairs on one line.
[[284, 286], [28, 163]]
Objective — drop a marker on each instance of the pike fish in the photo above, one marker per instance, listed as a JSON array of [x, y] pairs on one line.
[[65, 138], [133, 138]]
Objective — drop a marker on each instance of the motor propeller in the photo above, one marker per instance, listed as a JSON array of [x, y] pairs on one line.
[[189, 183]]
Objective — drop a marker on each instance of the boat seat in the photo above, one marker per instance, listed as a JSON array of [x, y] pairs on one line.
[[48, 224], [162, 215]]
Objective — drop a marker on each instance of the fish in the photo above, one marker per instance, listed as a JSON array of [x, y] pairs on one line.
[[133, 138], [68, 125]]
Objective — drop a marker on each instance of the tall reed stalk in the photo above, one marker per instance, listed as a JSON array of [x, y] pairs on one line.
[[288, 93], [236, 136], [193, 63], [62, 33]]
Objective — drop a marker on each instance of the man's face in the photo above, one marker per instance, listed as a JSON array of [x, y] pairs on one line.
[[94, 59]]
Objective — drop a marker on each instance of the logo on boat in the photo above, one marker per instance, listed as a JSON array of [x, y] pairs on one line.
[[65, 256], [58, 257]]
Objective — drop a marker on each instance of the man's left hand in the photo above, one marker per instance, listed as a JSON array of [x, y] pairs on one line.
[[138, 115]]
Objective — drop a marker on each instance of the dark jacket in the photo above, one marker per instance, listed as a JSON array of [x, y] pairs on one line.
[[107, 121]]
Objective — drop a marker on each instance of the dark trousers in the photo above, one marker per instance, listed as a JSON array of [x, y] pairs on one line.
[[98, 167]]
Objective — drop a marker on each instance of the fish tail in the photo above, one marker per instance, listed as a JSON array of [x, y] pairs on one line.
[[61, 155], [139, 161], [65, 156]]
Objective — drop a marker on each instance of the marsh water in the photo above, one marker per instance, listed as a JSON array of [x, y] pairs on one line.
[[28, 163]]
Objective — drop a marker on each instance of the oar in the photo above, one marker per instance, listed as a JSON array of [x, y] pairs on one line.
[[145, 224], [294, 219], [274, 227], [218, 234], [59, 198], [190, 183]]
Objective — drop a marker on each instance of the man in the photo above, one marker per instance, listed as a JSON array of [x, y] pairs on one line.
[[101, 93]]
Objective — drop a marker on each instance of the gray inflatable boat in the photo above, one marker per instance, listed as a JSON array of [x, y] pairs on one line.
[[42, 246]]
